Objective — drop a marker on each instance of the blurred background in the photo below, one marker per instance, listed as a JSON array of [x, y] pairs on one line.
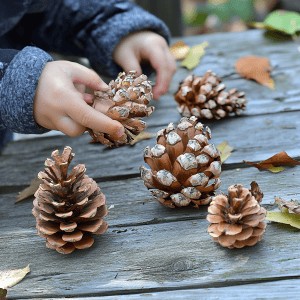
[[191, 17]]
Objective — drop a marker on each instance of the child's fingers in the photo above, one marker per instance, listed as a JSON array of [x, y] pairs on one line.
[[82, 75], [128, 61], [88, 117], [164, 64]]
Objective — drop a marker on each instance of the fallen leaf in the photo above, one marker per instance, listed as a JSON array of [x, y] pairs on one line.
[[226, 150], [287, 22], [284, 217], [142, 136], [256, 68], [3, 293], [277, 160], [276, 169], [293, 206], [9, 278], [193, 57], [29, 191], [180, 49]]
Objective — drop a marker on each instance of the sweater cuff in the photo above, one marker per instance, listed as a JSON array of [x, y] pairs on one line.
[[17, 90], [104, 39]]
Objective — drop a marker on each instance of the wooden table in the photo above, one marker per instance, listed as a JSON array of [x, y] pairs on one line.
[[152, 252]]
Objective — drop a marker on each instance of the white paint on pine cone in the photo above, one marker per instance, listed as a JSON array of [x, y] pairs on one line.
[[187, 161], [184, 125], [191, 192], [147, 152], [199, 126], [173, 138], [194, 145], [201, 138], [170, 127], [211, 150], [199, 179], [202, 159], [165, 177], [180, 199], [158, 150], [145, 173], [185, 90], [215, 167], [159, 193]]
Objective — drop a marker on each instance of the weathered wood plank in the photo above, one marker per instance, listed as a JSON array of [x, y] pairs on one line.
[[148, 246], [275, 290], [254, 138], [160, 256], [130, 203]]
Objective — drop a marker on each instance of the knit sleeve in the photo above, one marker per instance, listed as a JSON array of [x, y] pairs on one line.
[[18, 82], [93, 30]]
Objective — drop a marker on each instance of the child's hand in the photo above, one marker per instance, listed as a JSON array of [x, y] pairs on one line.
[[61, 104], [147, 46]]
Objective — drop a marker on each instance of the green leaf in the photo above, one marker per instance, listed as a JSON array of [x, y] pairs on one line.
[[193, 57], [9, 278], [276, 169], [287, 22], [284, 217]]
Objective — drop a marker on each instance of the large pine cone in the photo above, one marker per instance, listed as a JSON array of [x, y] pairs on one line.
[[68, 209], [126, 101], [182, 164], [205, 98], [237, 219]]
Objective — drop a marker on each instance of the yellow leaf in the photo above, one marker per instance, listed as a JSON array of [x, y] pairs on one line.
[[226, 150], [284, 217], [142, 136], [276, 169], [180, 50], [193, 57], [9, 278]]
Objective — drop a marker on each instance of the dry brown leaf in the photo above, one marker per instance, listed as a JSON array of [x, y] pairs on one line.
[[257, 68], [142, 136], [293, 206], [277, 160], [179, 49], [29, 191], [3, 293]]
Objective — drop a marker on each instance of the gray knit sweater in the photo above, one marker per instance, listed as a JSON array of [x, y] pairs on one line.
[[28, 28]]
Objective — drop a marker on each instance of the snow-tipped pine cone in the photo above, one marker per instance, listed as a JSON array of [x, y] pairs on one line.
[[205, 98], [126, 101], [184, 166]]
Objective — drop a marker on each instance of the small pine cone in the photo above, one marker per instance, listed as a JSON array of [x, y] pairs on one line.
[[126, 101], [205, 98], [182, 163], [237, 220], [68, 209]]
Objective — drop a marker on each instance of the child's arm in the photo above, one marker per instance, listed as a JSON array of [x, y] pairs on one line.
[[37, 94], [94, 28]]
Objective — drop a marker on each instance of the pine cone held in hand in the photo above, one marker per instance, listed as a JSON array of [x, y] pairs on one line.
[[205, 98], [237, 219], [68, 209], [126, 101], [182, 164]]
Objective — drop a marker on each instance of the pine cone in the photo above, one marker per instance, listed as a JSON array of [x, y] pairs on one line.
[[126, 101], [205, 98], [237, 219], [182, 164], [68, 209]]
